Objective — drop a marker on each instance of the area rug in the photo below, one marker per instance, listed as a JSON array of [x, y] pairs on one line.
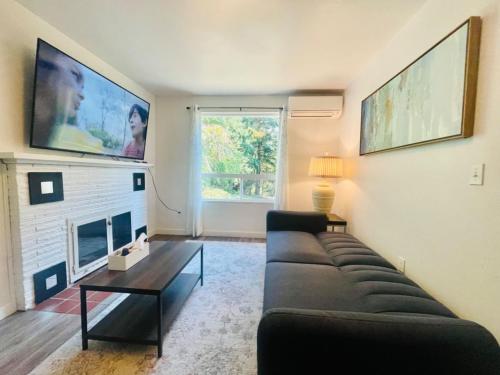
[[215, 333]]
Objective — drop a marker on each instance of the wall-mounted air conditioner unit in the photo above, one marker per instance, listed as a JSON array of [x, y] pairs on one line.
[[315, 106]]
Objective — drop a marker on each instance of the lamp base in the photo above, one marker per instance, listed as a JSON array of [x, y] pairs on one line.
[[323, 196]]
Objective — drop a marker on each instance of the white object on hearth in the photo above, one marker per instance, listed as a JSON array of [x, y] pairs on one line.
[[140, 243], [323, 194], [117, 262], [315, 106]]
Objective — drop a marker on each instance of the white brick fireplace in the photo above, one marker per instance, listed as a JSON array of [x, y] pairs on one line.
[[40, 236]]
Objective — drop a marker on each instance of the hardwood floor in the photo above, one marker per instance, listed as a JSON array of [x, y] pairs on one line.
[[28, 337]]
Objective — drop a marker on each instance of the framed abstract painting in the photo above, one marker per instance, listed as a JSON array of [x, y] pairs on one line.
[[431, 100]]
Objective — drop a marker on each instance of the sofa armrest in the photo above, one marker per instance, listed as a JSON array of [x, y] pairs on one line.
[[297, 341], [312, 222]]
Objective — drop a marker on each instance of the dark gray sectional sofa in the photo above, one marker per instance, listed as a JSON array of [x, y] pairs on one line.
[[334, 306]]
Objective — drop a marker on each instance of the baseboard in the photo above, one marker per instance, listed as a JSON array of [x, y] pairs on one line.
[[230, 233], [215, 233], [7, 310], [173, 231]]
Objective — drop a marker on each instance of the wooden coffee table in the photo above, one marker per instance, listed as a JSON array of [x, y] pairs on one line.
[[157, 290]]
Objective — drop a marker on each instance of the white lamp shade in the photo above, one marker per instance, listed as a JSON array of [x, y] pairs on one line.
[[325, 166]]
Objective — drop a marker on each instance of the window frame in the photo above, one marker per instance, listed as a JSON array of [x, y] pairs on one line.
[[243, 176]]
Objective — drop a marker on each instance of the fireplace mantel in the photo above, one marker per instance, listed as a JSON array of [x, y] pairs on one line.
[[50, 159]]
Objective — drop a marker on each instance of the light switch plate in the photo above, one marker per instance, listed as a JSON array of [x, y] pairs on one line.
[[477, 174], [50, 282], [47, 187]]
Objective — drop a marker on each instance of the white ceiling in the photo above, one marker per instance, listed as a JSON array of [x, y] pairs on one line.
[[231, 46]]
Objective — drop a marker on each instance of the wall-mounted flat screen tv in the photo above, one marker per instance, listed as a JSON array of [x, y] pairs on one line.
[[77, 109]]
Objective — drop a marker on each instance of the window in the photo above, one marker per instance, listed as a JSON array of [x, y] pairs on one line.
[[239, 156]]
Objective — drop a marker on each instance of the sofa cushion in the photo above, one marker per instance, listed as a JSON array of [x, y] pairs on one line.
[[295, 247], [387, 291], [300, 274], [345, 250], [309, 286], [323, 287]]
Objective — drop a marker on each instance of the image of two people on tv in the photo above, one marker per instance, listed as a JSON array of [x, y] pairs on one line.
[[76, 109]]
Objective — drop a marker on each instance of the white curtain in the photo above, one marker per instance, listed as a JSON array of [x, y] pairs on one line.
[[195, 201], [280, 200]]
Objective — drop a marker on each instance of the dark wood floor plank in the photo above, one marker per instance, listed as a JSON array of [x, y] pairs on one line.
[[30, 350], [28, 337]]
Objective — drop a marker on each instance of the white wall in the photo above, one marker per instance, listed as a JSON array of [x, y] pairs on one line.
[[417, 202], [306, 138], [19, 30]]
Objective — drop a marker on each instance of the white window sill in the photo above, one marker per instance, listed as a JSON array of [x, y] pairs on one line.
[[258, 201]]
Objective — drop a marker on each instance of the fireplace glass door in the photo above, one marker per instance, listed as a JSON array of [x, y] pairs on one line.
[[122, 229], [92, 242], [94, 238]]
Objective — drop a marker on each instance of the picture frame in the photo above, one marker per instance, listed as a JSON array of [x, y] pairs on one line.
[[430, 100]]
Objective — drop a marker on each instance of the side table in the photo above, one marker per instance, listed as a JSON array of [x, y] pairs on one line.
[[336, 221]]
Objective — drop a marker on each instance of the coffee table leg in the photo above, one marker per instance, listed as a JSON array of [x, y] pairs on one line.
[[159, 310], [201, 266], [83, 314]]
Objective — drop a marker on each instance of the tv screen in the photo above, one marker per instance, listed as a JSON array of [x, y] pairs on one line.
[[77, 109]]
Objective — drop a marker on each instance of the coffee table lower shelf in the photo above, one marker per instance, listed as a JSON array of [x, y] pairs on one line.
[[135, 320]]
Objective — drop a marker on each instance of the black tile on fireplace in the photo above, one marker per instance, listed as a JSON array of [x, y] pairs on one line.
[[139, 181], [45, 187], [50, 281], [140, 230]]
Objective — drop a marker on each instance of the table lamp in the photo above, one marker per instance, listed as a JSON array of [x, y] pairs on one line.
[[326, 167]]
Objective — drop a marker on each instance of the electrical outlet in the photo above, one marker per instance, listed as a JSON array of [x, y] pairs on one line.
[[477, 173], [401, 266]]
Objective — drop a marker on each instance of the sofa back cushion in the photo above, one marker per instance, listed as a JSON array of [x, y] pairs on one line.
[[295, 247], [310, 222], [379, 285], [345, 250]]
